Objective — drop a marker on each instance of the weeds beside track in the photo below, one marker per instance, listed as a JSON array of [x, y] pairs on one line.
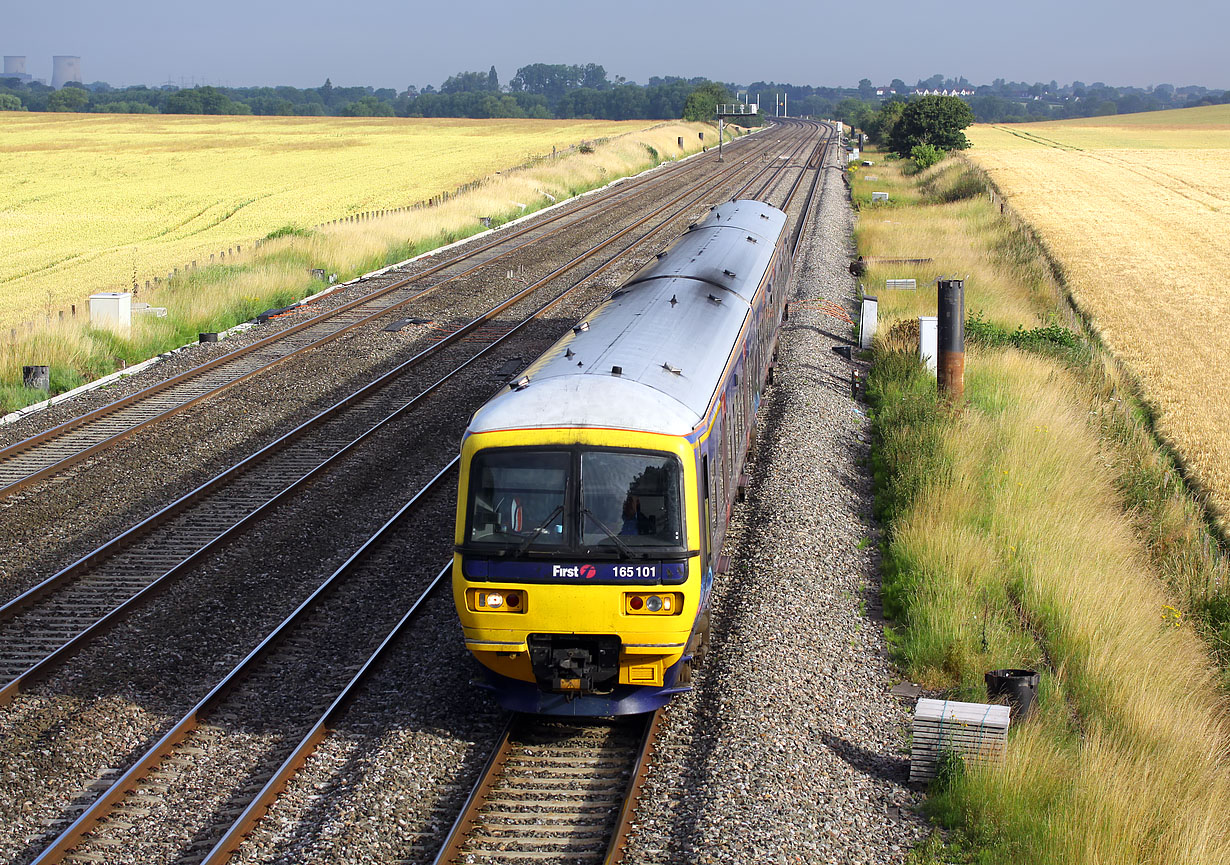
[[1016, 536]]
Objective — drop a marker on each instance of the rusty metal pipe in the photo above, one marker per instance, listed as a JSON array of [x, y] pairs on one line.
[[951, 339]]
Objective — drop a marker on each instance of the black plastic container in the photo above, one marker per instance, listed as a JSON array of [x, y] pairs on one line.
[[1020, 687]]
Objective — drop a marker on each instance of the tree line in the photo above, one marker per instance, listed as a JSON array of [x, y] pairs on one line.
[[538, 91], [1018, 102], [543, 90]]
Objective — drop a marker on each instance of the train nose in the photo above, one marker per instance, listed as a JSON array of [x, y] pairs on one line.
[[576, 663]]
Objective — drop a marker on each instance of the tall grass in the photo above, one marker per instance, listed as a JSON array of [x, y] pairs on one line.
[[1039, 526], [277, 272]]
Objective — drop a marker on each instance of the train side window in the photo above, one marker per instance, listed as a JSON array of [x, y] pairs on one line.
[[707, 508]]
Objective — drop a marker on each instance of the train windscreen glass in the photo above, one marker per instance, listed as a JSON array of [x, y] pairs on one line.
[[519, 495], [630, 500]]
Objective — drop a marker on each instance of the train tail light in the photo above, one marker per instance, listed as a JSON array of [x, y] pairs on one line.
[[653, 603]]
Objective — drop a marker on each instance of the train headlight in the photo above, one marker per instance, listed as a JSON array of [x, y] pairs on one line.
[[496, 600], [653, 603]]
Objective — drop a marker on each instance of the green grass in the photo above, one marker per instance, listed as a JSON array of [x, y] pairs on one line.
[[1040, 525]]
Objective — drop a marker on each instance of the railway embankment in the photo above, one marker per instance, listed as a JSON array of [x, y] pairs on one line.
[[1037, 524]]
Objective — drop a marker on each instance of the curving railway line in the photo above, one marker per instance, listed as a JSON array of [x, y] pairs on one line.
[[130, 570]]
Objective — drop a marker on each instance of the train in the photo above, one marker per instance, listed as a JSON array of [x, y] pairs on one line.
[[596, 487]]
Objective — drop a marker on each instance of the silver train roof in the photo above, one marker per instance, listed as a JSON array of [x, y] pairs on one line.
[[651, 356]]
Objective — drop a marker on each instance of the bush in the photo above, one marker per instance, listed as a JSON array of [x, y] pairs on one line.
[[288, 231], [1050, 339], [926, 155]]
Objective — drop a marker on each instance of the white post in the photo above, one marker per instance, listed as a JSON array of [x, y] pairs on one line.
[[867, 322], [928, 340]]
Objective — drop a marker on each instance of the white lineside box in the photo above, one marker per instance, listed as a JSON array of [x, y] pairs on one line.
[[867, 322], [928, 341], [977, 733], [111, 309]]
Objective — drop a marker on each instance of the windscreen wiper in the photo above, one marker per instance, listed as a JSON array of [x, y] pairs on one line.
[[623, 547], [537, 532]]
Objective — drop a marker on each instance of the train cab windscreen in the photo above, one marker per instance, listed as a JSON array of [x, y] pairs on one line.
[[630, 499], [576, 502]]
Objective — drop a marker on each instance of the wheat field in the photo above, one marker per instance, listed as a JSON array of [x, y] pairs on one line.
[[95, 202], [1135, 210]]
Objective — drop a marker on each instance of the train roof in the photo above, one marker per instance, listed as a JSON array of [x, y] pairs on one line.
[[652, 355]]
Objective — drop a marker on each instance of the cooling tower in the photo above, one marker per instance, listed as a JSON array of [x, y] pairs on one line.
[[65, 68], [14, 65]]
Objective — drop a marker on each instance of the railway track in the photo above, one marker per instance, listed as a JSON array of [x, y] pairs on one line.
[[172, 762], [190, 797], [44, 625], [52, 451], [559, 790]]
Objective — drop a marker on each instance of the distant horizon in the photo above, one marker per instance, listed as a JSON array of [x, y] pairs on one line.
[[386, 43], [186, 82]]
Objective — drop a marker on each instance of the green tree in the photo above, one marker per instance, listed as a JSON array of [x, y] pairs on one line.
[[493, 80], [853, 112], [879, 127], [593, 76], [703, 101], [9, 102], [367, 106], [68, 99], [936, 120], [465, 82]]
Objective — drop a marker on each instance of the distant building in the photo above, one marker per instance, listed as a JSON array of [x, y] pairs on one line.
[[15, 67], [65, 68]]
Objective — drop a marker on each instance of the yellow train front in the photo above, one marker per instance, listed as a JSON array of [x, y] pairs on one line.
[[595, 490]]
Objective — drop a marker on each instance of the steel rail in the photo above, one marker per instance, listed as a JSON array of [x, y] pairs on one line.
[[823, 147], [263, 801], [603, 841], [126, 783]]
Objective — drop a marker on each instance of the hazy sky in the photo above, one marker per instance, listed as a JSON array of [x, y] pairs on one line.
[[394, 44]]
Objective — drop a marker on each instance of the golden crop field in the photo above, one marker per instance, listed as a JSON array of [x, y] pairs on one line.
[[89, 200], [1135, 209]]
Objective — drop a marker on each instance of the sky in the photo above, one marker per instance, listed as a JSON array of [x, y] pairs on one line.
[[383, 43]]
